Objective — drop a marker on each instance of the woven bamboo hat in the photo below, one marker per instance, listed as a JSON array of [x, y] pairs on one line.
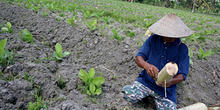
[[171, 26]]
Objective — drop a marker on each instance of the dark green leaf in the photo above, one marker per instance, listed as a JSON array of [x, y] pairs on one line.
[[2, 46]]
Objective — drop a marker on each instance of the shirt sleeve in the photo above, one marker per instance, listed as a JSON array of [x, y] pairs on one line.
[[183, 62], [145, 49]]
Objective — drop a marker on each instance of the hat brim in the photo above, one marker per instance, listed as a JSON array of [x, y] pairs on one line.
[[171, 26]]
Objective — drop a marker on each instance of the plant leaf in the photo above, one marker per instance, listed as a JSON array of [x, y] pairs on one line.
[[59, 50], [94, 22], [201, 51], [5, 54], [65, 54], [207, 53], [8, 25], [98, 80], [56, 56], [98, 91], [26, 32], [91, 73], [92, 88], [88, 92], [2, 46], [83, 75], [4, 29]]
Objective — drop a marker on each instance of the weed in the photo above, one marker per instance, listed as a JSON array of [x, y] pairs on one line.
[[38, 104], [58, 54], [28, 77], [92, 84], [61, 82]]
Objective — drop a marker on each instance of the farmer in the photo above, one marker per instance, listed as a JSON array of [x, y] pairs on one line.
[[160, 48]]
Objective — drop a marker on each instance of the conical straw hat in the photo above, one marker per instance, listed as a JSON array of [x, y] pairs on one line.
[[170, 26]]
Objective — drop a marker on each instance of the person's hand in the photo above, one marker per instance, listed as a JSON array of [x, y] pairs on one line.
[[168, 83], [151, 70]]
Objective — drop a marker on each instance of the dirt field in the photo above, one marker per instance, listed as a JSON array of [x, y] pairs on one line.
[[88, 50]]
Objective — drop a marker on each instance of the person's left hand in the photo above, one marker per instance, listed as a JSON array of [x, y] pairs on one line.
[[167, 83]]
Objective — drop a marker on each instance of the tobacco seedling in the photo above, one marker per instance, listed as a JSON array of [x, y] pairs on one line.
[[130, 33], [88, 14], [27, 37], [190, 57], [5, 57], [58, 54], [204, 55], [36, 8], [71, 21], [51, 7], [107, 19], [91, 25], [116, 35], [7, 28], [92, 84]]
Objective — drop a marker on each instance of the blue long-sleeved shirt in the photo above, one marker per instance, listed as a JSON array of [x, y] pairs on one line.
[[155, 51]]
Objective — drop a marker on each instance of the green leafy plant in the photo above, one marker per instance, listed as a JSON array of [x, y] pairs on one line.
[[38, 104], [91, 25], [44, 13], [51, 6], [61, 82], [116, 35], [107, 19], [58, 54], [36, 8], [6, 58], [58, 19], [204, 55], [130, 33], [7, 28], [207, 32], [28, 77], [27, 36], [88, 14], [190, 56], [28, 5], [92, 84], [71, 21]]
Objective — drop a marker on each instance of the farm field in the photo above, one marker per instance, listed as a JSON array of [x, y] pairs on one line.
[[101, 34]]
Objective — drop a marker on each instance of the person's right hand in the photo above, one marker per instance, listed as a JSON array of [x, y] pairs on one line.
[[151, 70]]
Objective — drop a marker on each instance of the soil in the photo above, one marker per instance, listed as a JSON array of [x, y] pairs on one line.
[[114, 59]]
